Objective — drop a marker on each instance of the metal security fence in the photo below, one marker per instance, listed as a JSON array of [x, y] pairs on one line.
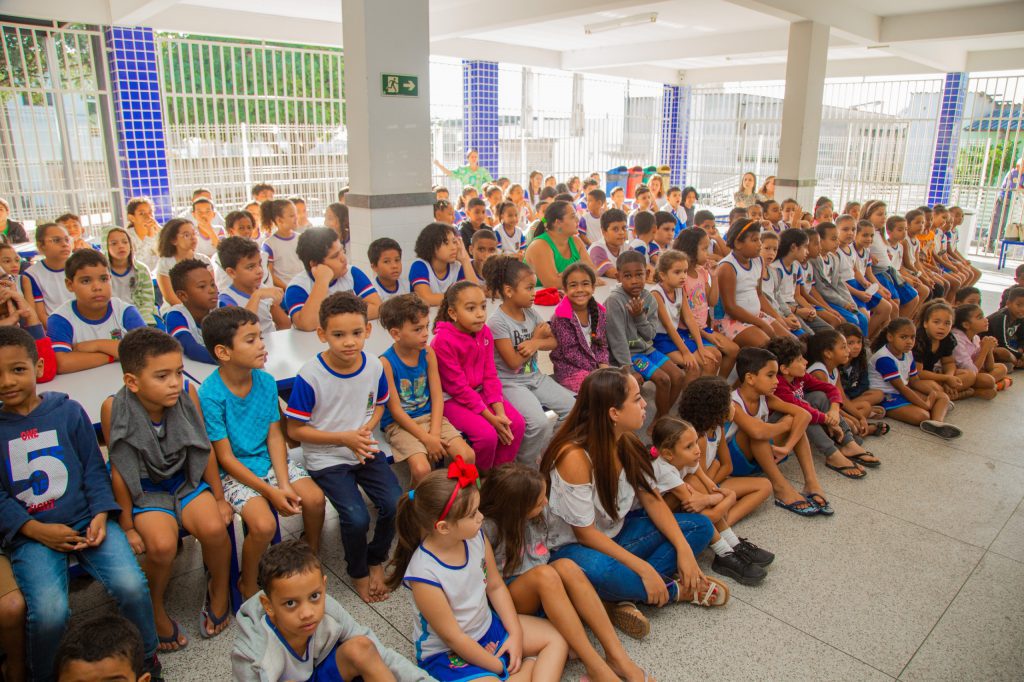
[[56, 130], [238, 113], [877, 140], [559, 123]]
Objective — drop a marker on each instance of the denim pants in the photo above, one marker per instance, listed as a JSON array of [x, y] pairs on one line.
[[640, 537], [341, 484], [42, 576], [531, 395]]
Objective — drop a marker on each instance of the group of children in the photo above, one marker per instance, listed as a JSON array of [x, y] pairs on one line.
[[756, 343]]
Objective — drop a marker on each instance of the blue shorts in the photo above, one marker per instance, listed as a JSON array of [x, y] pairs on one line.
[[901, 291], [448, 667], [327, 669], [169, 486], [944, 268], [663, 342], [894, 402], [646, 364], [741, 466], [867, 305]]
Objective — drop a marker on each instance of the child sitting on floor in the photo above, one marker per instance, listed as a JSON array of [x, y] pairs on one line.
[[828, 353], [933, 352], [293, 630], [165, 479], [413, 423], [243, 421], [976, 353], [1007, 326]]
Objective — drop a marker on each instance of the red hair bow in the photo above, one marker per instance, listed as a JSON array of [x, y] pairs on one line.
[[464, 474]]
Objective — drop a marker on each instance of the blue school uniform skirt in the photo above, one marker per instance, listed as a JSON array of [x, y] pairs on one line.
[[447, 666], [901, 291], [867, 305]]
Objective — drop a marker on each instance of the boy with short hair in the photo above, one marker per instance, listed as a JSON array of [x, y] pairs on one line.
[[164, 478], [476, 219], [413, 422], [644, 243], [441, 193], [1007, 326], [759, 418], [193, 284], [385, 256], [664, 229], [828, 279], [674, 197], [293, 613], [618, 198], [243, 421], [336, 403], [972, 295], [631, 311], [604, 251], [705, 220], [73, 224], [55, 497], [243, 264], [87, 330], [590, 221], [482, 247], [1018, 281], [642, 202], [106, 647], [325, 271]]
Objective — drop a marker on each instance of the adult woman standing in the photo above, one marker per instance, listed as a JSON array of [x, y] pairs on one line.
[[658, 192], [471, 173], [746, 196], [767, 190], [1009, 189], [10, 231], [597, 470], [556, 245]]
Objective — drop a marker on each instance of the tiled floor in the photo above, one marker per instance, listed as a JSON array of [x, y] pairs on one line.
[[919, 575]]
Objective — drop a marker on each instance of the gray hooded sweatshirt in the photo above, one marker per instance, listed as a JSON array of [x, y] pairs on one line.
[[259, 656], [628, 335]]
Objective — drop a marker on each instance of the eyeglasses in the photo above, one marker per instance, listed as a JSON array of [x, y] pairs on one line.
[[58, 240]]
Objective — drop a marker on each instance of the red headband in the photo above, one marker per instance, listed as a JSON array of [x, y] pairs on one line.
[[465, 475]]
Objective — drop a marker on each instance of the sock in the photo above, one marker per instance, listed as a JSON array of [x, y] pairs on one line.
[[721, 547], [729, 537]]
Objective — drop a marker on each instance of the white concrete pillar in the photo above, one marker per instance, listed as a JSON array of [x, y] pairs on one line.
[[801, 112], [388, 134]]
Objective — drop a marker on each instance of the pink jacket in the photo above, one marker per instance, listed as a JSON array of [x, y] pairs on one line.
[[466, 365], [574, 358]]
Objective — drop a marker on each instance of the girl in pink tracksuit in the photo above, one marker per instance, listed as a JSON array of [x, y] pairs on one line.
[[474, 403]]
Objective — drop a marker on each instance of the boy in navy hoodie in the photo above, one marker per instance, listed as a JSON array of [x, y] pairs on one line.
[[55, 497]]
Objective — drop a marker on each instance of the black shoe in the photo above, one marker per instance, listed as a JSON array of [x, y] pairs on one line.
[[752, 553], [154, 668], [738, 569]]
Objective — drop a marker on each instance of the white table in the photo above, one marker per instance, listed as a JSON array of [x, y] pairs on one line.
[[89, 387], [289, 349]]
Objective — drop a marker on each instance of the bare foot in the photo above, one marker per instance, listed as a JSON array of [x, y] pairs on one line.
[[362, 586], [628, 670], [248, 588], [378, 590], [165, 631]]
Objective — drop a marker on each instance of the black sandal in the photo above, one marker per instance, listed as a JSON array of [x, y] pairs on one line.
[[859, 459], [847, 471], [881, 428]]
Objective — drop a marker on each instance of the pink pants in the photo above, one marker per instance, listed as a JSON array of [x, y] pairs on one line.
[[490, 452]]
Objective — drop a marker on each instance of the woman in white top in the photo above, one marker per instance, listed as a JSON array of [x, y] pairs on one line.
[[598, 472]]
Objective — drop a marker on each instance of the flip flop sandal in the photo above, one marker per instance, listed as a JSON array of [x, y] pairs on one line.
[[877, 412], [206, 618], [881, 428], [823, 507], [810, 510], [859, 459], [848, 471], [627, 617], [716, 594], [172, 639]]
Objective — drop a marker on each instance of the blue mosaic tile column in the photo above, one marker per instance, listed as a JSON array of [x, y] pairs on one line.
[[480, 111], [675, 131], [142, 152], [947, 137]]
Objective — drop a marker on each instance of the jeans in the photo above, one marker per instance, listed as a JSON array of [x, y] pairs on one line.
[[42, 576], [640, 537], [341, 484], [531, 395]]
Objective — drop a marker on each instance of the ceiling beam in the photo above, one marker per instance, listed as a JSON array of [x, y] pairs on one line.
[[649, 72], [965, 22], [842, 68], [846, 18], [469, 48], [80, 11], [746, 43], [995, 60], [945, 58], [251, 25], [459, 22], [137, 12]]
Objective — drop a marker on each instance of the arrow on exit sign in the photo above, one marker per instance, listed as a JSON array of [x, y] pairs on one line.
[[399, 85]]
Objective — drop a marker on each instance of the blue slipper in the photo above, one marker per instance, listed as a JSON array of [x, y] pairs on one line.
[[810, 510], [172, 639], [206, 618], [823, 507]]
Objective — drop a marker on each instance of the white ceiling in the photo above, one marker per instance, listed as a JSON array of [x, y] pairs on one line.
[[692, 41]]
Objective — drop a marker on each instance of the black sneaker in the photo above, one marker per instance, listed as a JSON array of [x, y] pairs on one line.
[[752, 553], [154, 668], [738, 569]]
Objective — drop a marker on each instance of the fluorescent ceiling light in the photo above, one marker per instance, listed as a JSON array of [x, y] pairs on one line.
[[635, 20]]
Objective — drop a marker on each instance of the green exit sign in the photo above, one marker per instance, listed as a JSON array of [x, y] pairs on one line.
[[398, 85]]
